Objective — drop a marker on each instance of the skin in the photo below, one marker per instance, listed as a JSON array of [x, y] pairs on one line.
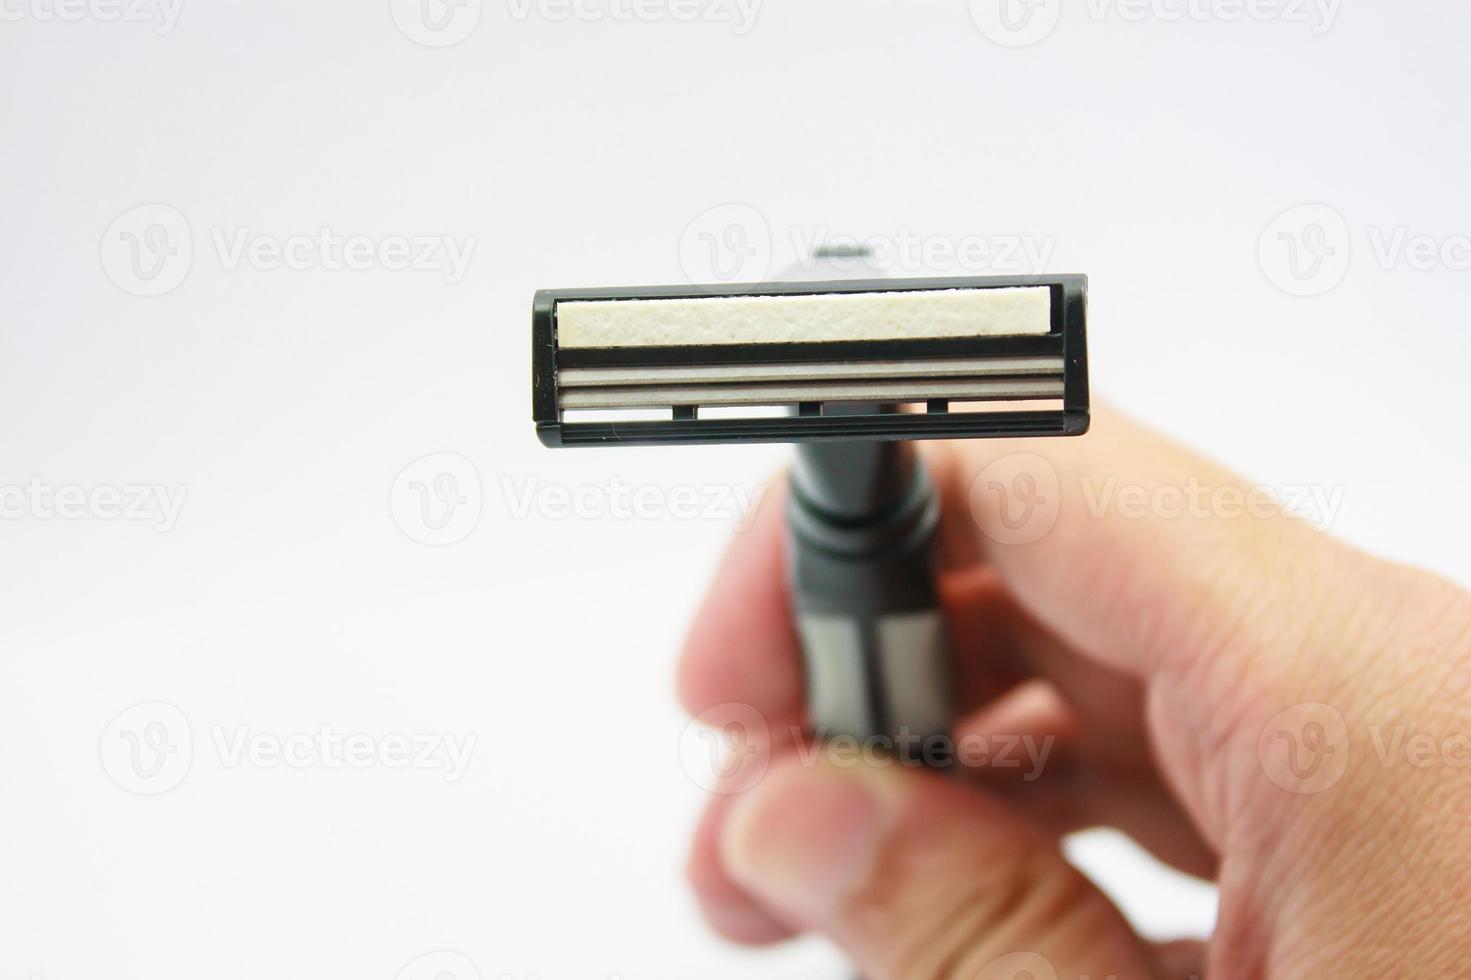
[[1251, 700]]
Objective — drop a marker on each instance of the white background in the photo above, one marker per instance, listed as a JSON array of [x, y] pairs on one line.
[[1152, 153]]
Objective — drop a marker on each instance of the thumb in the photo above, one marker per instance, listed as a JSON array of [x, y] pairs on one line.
[[919, 877]]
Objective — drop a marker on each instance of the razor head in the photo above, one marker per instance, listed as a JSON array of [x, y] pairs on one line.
[[876, 359]]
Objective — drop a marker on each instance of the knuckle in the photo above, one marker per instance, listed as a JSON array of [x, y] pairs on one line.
[[959, 923]]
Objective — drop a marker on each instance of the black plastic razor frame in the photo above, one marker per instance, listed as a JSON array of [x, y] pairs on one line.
[[862, 510], [1067, 340]]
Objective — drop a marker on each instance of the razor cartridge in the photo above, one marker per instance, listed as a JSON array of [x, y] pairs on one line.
[[791, 361]]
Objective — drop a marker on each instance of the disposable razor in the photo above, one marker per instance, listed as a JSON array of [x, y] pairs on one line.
[[851, 371]]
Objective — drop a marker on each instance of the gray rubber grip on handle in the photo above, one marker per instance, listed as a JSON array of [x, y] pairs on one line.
[[874, 642], [888, 676]]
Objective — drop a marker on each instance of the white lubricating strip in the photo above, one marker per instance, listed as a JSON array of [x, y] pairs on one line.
[[828, 317]]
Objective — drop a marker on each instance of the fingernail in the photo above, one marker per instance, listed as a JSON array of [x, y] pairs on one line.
[[807, 837]]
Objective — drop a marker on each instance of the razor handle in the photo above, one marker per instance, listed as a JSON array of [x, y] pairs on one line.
[[862, 517]]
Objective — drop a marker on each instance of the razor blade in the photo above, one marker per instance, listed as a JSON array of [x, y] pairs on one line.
[[881, 359]]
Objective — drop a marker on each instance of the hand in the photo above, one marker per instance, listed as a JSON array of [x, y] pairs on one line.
[[1249, 699]]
